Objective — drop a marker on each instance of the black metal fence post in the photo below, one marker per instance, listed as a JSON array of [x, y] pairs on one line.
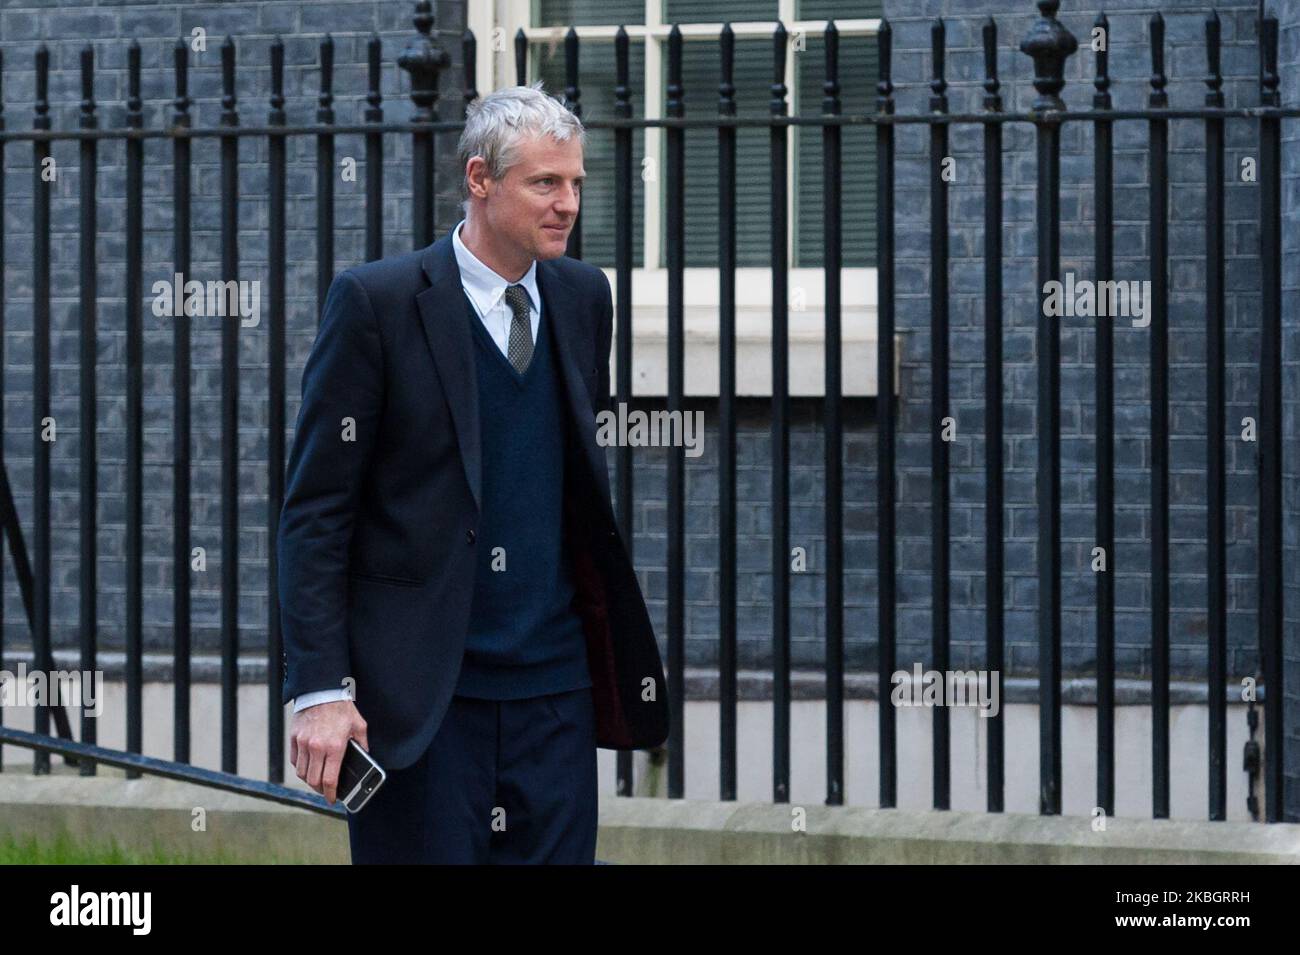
[[276, 415], [1159, 332], [230, 325], [1270, 419], [993, 482], [727, 553], [886, 413], [1104, 255], [780, 429], [41, 423], [833, 461], [424, 61], [375, 149], [134, 323], [1215, 430], [181, 416], [325, 178], [623, 469], [674, 243], [573, 101], [88, 459], [940, 584], [1049, 43]]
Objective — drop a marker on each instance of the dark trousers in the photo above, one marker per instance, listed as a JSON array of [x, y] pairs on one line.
[[503, 781]]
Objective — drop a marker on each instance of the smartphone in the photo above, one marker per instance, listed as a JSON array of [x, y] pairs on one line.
[[359, 777]]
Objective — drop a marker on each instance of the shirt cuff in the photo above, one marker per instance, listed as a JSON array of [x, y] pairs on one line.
[[331, 695]]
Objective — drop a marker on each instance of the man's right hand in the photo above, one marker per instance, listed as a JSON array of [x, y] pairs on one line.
[[318, 738]]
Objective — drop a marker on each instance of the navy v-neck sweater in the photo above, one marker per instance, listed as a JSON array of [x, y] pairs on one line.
[[524, 637]]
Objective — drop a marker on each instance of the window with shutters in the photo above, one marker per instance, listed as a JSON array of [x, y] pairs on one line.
[[648, 23]]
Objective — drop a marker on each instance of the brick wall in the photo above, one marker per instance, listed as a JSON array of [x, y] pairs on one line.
[[109, 28], [1130, 71], [1288, 13]]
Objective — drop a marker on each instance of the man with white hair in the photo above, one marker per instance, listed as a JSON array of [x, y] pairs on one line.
[[454, 592]]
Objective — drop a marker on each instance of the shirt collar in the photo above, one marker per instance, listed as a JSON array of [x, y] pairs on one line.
[[484, 285]]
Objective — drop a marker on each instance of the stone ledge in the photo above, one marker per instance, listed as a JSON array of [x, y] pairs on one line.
[[678, 831], [156, 813]]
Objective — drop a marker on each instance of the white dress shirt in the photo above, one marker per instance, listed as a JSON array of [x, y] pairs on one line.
[[486, 290]]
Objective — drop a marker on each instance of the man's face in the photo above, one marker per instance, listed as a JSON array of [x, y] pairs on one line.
[[532, 208]]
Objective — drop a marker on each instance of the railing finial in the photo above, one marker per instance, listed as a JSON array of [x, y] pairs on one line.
[[1101, 99], [1269, 79], [1214, 74], [938, 84], [1049, 44], [424, 60], [1158, 98], [885, 88], [989, 34]]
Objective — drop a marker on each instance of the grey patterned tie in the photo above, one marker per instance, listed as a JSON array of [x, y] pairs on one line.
[[520, 348]]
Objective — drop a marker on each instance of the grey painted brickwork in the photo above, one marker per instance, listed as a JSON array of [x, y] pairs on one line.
[[1288, 13], [110, 27], [1130, 70]]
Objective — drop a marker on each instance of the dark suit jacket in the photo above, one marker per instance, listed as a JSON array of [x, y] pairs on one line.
[[377, 537]]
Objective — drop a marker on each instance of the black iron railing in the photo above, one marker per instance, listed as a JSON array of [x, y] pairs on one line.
[[1049, 44]]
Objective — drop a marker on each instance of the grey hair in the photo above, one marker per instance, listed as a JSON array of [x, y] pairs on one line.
[[496, 124]]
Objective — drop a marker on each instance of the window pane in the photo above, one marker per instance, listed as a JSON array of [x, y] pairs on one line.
[[701, 74], [596, 75], [857, 68], [577, 13], [718, 11], [838, 9]]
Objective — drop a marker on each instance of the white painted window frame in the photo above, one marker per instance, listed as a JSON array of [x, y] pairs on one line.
[[499, 20]]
